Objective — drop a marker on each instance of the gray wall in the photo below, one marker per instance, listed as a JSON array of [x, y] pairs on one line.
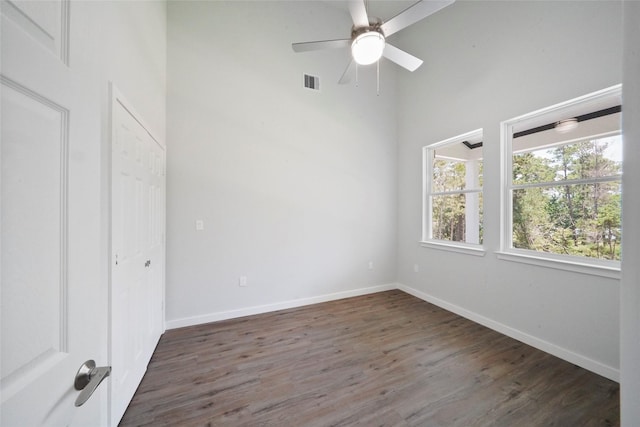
[[296, 189], [486, 62]]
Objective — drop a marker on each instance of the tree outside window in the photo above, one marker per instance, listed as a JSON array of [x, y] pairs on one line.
[[453, 190], [567, 199], [563, 192]]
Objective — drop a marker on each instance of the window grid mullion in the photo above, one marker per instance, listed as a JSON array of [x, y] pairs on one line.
[[455, 192], [564, 183]]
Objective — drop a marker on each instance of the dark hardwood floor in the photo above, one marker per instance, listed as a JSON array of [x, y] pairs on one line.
[[386, 359]]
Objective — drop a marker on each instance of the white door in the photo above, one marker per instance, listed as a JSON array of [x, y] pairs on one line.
[[137, 270], [53, 298]]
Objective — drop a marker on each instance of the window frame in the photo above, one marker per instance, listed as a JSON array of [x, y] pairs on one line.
[[586, 265], [427, 240]]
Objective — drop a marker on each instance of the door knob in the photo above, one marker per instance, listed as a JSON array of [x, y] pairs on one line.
[[88, 379]]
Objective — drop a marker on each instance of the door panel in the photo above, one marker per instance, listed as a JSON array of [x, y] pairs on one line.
[[47, 22], [33, 170], [34, 240]]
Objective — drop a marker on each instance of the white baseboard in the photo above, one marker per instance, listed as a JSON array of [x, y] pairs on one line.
[[248, 311], [568, 355]]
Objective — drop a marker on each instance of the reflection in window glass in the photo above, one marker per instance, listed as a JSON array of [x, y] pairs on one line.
[[579, 160]]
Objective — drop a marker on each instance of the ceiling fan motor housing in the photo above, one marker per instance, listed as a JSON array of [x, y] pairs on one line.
[[373, 26]]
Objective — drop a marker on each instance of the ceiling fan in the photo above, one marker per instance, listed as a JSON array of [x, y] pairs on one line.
[[368, 36]]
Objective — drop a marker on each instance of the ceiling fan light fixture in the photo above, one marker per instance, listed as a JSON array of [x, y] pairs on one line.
[[567, 125], [367, 47]]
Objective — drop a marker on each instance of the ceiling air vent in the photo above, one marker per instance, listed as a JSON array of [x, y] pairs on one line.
[[311, 82]]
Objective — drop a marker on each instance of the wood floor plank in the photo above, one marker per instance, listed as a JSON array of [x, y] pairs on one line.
[[386, 359]]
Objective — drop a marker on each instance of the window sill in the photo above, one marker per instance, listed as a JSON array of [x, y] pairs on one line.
[[610, 271], [475, 250]]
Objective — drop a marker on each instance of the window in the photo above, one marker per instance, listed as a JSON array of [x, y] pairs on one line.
[[562, 173], [453, 192]]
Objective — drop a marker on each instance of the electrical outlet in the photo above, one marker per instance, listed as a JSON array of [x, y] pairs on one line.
[[416, 268], [199, 225], [370, 265], [242, 281]]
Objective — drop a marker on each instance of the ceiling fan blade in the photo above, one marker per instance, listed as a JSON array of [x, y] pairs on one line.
[[348, 72], [413, 14], [319, 45], [358, 13], [401, 57]]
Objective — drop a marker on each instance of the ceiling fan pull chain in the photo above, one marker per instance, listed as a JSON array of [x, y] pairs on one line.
[[378, 78]]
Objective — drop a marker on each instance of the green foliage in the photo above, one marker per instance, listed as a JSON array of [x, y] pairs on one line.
[[562, 216], [449, 211], [449, 218]]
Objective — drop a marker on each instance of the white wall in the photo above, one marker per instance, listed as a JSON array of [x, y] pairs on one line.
[[630, 291], [123, 43], [296, 189], [486, 62]]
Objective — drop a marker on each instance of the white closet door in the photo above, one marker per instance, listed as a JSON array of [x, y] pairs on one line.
[[137, 289]]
